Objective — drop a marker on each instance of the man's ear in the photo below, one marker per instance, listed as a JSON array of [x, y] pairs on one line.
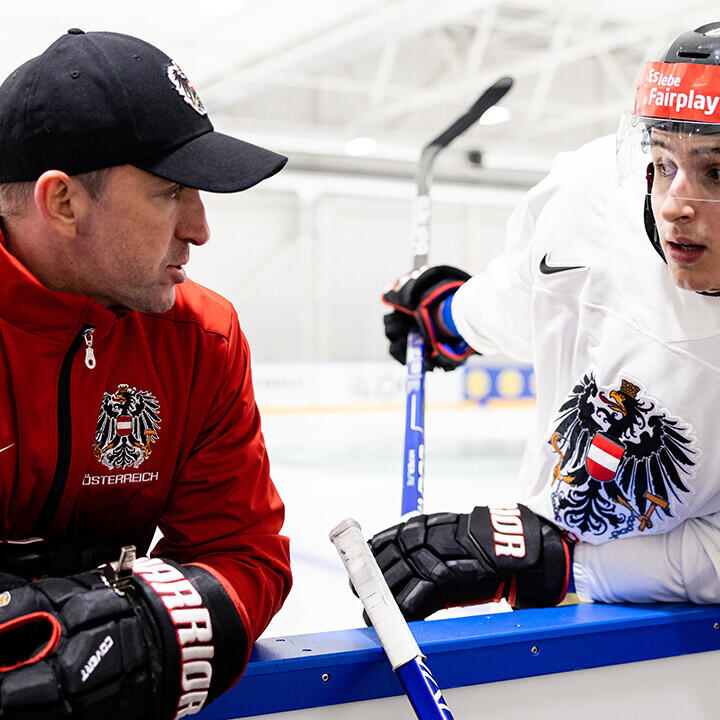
[[60, 200]]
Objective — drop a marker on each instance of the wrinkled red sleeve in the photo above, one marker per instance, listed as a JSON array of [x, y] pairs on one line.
[[224, 512]]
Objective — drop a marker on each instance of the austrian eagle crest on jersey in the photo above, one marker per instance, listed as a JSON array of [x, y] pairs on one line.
[[127, 427], [623, 462]]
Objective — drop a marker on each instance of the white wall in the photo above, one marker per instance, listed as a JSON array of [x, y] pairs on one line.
[[305, 265]]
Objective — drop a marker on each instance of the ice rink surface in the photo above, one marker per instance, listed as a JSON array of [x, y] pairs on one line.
[[329, 465]]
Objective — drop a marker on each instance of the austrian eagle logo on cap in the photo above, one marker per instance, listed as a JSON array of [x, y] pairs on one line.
[[185, 89]]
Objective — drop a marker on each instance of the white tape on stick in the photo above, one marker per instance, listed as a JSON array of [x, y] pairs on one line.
[[370, 585]]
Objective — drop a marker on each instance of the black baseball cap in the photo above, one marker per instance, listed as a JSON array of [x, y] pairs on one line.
[[98, 99]]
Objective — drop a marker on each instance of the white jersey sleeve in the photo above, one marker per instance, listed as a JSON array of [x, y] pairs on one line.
[[623, 454]]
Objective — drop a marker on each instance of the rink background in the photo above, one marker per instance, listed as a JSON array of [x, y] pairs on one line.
[[342, 457]]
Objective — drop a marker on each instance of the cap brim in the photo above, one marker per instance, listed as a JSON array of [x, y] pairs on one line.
[[217, 163]]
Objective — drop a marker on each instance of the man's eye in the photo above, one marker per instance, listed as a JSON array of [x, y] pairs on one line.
[[174, 192], [714, 174]]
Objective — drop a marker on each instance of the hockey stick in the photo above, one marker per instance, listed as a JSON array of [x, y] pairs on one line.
[[397, 640], [413, 477]]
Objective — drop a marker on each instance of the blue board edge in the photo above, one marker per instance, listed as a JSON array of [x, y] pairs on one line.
[[304, 671]]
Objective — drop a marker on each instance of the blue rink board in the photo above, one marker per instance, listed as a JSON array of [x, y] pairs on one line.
[[304, 671]]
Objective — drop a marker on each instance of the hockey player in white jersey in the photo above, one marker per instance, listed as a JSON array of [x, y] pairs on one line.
[[622, 472]]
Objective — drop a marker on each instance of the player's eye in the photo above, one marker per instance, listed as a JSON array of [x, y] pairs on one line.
[[664, 169], [174, 192]]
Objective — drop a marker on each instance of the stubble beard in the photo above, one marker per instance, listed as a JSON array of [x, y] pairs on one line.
[[153, 304]]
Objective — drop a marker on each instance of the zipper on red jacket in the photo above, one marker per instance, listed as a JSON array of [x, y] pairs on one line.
[[89, 353], [64, 424]]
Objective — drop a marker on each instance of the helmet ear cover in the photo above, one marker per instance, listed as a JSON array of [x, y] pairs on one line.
[[649, 218]]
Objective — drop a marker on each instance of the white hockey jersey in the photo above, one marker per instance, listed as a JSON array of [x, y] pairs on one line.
[[625, 452]]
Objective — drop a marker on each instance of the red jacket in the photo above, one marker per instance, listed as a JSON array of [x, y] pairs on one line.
[[162, 431]]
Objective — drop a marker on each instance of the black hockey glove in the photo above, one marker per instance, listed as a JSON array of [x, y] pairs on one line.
[[111, 643], [443, 560], [414, 296]]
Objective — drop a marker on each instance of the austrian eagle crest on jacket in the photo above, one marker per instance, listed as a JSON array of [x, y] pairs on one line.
[[127, 427]]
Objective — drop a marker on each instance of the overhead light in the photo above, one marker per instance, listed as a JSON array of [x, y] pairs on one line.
[[496, 115], [360, 146]]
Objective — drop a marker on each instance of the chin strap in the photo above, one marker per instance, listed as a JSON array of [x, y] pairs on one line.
[[649, 220]]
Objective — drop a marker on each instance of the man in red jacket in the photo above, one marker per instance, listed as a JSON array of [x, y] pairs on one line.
[[126, 399]]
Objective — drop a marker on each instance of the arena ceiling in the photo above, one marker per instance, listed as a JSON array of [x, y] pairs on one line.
[[306, 77]]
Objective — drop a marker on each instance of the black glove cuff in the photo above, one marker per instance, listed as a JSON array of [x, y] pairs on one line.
[[204, 642], [527, 552], [546, 584], [509, 536], [230, 636]]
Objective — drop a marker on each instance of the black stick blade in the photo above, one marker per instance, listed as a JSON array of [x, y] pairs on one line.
[[490, 97]]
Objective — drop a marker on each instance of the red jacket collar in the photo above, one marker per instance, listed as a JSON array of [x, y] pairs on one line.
[[26, 303]]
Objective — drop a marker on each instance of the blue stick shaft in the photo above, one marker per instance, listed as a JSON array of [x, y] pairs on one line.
[[414, 455], [392, 630], [423, 692]]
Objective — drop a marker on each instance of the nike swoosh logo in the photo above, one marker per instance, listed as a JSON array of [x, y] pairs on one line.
[[7, 447], [546, 269]]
